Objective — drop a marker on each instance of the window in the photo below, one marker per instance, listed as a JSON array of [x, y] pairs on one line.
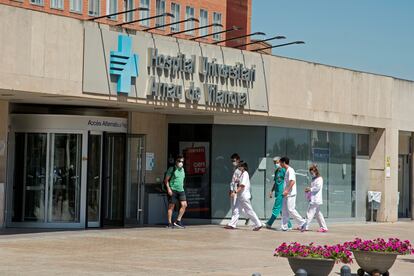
[[189, 13], [56, 4], [128, 5], [203, 22], [160, 9], [217, 20], [144, 14], [175, 10], [112, 7], [94, 7], [76, 6], [37, 2]]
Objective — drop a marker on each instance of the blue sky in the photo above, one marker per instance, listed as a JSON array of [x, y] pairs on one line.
[[367, 35]]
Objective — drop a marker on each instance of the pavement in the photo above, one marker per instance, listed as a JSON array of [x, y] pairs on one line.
[[196, 250]]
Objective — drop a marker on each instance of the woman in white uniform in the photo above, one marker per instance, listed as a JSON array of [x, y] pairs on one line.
[[243, 201], [314, 195]]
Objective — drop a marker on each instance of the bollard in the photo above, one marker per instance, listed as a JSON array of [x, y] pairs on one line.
[[256, 274], [345, 271], [301, 272]]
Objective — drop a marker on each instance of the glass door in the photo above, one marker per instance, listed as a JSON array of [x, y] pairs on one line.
[[29, 185], [113, 178], [47, 182], [135, 180], [65, 184], [94, 179]]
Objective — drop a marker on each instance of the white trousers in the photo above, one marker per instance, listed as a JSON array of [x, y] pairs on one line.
[[243, 205], [233, 204], [314, 210], [289, 210]]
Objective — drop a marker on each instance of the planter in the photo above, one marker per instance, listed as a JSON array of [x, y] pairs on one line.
[[374, 262], [314, 267]]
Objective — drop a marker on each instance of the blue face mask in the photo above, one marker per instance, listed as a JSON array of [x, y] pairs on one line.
[[277, 166]]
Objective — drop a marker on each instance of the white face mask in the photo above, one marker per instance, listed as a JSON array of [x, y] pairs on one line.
[[313, 174], [180, 164], [235, 164], [277, 166]]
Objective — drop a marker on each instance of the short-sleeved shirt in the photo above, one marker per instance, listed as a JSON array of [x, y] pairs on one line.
[[290, 175], [245, 181], [279, 180], [177, 180]]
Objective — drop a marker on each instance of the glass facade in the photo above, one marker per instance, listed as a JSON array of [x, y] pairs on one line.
[[334, 152]]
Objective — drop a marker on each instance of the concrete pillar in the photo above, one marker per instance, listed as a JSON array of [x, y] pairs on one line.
[[155, 128], [4, 124], [384, 153]]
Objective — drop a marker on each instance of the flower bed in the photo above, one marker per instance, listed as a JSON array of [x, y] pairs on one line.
[[338, 252], [393, 245]]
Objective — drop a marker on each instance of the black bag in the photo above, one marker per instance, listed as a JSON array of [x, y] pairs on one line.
[[163, 188]]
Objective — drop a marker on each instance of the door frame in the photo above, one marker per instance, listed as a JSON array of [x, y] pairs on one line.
[[95, 224], [141, 182], [104, 222]]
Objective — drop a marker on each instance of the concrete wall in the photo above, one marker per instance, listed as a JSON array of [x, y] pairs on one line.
[[155, 127], [40, 52], [308, 91]]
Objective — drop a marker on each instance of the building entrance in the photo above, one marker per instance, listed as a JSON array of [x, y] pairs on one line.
[[71, 177]]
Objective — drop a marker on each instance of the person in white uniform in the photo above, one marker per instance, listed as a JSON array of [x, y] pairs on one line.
[[235, 180], [315, 200], [289, 197], [243, 201]]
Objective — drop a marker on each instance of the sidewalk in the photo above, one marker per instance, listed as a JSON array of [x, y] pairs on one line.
[[201, 250]]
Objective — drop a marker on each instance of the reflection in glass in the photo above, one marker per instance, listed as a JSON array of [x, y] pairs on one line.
[[66, 178], [94, 177], [30, 177], [334, 152]]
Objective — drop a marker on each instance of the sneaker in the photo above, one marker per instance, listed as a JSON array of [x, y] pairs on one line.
[[179, 224], [268, 226], [247, 222], [322, 230], [285, 229], [170, 226], [229, 227], [303, 227], [257, 228]]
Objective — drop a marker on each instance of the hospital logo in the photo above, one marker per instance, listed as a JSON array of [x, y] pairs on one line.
[[124, 64]]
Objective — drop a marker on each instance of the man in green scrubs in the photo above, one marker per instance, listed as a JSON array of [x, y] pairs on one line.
[[277, 188]]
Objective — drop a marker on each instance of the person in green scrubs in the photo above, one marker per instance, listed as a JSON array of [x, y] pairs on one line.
[[277, 188]]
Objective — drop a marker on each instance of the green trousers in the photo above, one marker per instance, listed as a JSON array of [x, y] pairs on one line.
[[277, 210]]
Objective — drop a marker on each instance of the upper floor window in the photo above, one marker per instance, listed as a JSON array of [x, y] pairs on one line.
[[128, 5], [160, 9], [76, 5], [144, 14], [175, 10], [56, 4], [189, 13], [94, 7], [112, 7], [37, 2], [203, 22], [217, 20]]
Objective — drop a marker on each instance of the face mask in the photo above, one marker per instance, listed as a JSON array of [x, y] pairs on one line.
[[234, 163], [277, 166], [313, 174], [180, 164]]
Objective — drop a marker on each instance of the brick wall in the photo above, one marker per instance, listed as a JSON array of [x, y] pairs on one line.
[[209, 5]]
